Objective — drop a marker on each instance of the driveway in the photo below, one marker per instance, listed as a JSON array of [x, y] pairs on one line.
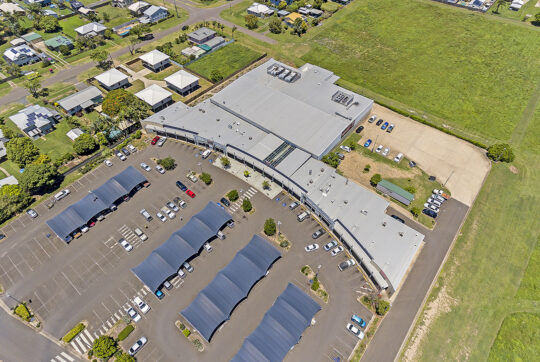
[[455, 162]]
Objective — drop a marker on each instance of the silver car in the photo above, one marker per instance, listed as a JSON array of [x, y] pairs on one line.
[[137, 346]]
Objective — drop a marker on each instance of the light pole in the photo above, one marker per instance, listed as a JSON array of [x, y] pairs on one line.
[[278, 223], [200, 165], [318, 270]]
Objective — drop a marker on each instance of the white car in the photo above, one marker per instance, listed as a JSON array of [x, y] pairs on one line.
[[386, 151], [160, 169], [345, 148], [398, 157], [172, 206], [372, 118], [133, 315], [85, 229], [192, 177], [108, 163], [32, 213], [141, 304], [131, 148], [137, 346], [168, 212], [379, 149], [59, 196], [125, 244], [121, 156], [337, 250], [207, 247], [311, 247], [330, 245], [434, 202], [161, 217], [140, 234], [161, 141], [352, 328], [431, 207], [145, 167]]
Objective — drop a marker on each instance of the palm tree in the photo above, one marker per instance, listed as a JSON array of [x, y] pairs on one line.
[[498, 4]]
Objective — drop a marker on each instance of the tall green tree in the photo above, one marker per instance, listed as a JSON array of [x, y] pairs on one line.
[[275, 25], [101, 57], [104, 347], [33, 86], [38, 178], [85, 144], [22, 151], [252, 22]]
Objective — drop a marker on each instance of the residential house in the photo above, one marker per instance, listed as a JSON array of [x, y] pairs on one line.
[[289, 19], [113, 79], [40, 2], [260, 10], [21, 55], [49, 12], [36, 121], [303, 11], [74, 133], [201, 35], [3, 141], [75, 5], [277, 2], [182, 82], [11, 8], [138, 8], [121, 3], [55, 43], [214, 42], [10, 180], [282, 13], [17, 41], [91, 29], [156, 97], [86, 11], [315, 12], [32, 37], [194, 51], [154, 14], [84, 100], [155, 60]]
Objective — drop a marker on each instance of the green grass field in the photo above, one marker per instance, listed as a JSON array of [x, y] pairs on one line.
[[517, 339], [226, 60], [237, 13], [164, 73], [70, 24], [117, 15], [56, 143], [529, 288]]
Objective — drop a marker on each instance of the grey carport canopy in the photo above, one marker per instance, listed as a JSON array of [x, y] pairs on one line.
[[165, 261], [214, 304], [281, 327], [81, 212]]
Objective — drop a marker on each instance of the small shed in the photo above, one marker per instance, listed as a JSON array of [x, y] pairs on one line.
[[395, 192], [32, 37], [17, 41], [74, 133]]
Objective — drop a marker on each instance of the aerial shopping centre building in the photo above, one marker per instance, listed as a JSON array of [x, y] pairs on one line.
[[281, 121]]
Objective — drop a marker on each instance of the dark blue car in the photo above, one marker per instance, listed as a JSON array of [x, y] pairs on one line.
[[384, 126], [356, 319], [429, 212], [181, 186]]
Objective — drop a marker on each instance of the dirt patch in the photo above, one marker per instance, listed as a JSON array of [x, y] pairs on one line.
[[513, 169]]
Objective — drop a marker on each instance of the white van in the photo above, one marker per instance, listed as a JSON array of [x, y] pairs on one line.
[[302, 216], [206, 153], [221, 235], [398, 157]]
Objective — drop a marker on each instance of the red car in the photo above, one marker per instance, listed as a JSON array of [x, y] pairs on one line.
[[190, 193], [154, 141], [92, 223]]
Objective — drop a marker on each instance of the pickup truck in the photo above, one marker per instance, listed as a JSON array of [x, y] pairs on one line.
[[191, 177]]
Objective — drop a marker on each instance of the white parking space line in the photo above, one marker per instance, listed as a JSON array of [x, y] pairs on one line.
[[37, 242], [67, 356], [71, 283]]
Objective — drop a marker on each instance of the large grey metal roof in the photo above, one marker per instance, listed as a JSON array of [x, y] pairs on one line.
[[281, 327], [183, 244], [79, 98], [214, 304], [82, 211]]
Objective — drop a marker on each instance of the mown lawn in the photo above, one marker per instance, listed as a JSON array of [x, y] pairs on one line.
[[237, 14], [56, 143], [517, 339], [164, 73], [529, 288], [117, 15], [226, 60], [472, 70], [70, 24]]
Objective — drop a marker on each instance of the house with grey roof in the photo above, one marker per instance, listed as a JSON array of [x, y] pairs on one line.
[[182, 82], [156, 97], [201, 35], [3, 141], [91, 30], [155, 60], [113, 79], [154, 14], [84, 100], [214, 42], [11, 8], [21, 55], [36, 121]]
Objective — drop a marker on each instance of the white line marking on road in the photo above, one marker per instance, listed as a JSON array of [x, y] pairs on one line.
[[90, 337], [68, 357], [83, 339], [42, 248], [60, 359], [75, 347], [109, 324], [70, 282]]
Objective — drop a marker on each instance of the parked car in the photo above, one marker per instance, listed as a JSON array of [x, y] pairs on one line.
[[330, 245], [379, 122], [379, 149], [148, 36], [185, 27], [84, 229], [143, 307], [354, 330], [341, 156], [167, 285], [412, 164], [390, 128], [160, 169], [317, 234], [173, 206], [346, 264], [230, 224], [434, 202], [181, 273], [345, 148], [131, 148], [302, 216], [168, 212], [190, 193], [154, 140], [207, 247], [337, 250], [180, 202], [159, 294], [311, 247], [429, 212], [125, 244], [161, 141], [161, 217], [192, 177], [188, 267], [398, 218], [125, 151], [121, 156], [220, 235], [293, 205], [359, 129], [372, 118], [145, 167], [133, 314], [59, 196], [181, 186], [140, 234], [146, 215], [2, 236], [356, 319], [438, 198], [108, 163], [206, 153], [139, 344], [384, 126], [386, 151], [398, 157], [225, 202], [32, 213], [368, 143], [432, 207]]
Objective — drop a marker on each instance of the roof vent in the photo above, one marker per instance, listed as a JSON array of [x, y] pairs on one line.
[[384, 223], [310, 181], [250, 138], [401, 233], [217, 119], [229, 126], [162, 118], [363, 212], [345, 202], [310, 172], [322, 169]]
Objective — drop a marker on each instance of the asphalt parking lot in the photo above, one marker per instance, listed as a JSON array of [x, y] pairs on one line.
[[90, 279]]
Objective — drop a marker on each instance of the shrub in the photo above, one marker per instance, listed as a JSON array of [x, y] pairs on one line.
[[266, 185], [104, 347], [315, 284], [331, 159], [246, 173], [232, 195], [125, 332], [123, 357], [284, 244], [216, 76], [22, 311], [501, 152], [270, 227], [168, 163], [410, 189], [182, 326], [197, 343], [246, 205], [225, 162], [415, 211], [305, 269], [206, 178], [137, 135], [367, 168], [186, 332], [21, 150], [352, 145], [84, 144], [90, 353], [375, 179], [382, 307], [73, 332], [252, 21]]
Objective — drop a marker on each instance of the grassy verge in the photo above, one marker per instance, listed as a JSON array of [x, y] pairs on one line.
[[73, 332], [517, 339], [529, 289], [164, 73]]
